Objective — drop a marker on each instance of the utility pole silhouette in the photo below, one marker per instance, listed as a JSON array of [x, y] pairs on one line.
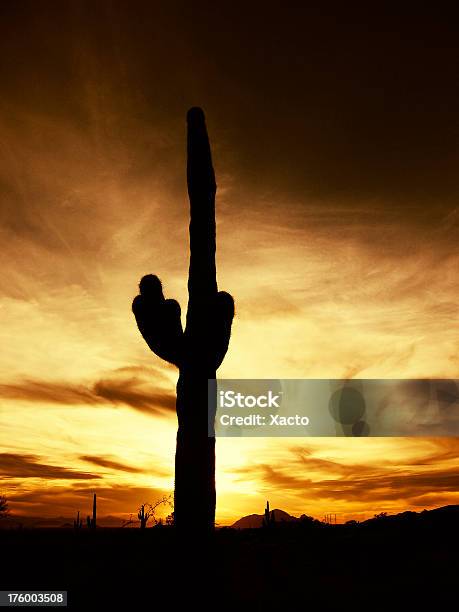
[[199, 350], [330, 519]]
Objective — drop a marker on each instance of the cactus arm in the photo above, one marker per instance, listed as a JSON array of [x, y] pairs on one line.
[[223, 320], [158, 320]]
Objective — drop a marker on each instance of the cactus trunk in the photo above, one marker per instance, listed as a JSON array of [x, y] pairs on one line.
[[194, 496], [195, 452]]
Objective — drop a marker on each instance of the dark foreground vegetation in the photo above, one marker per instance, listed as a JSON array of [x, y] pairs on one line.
[[383, 563]]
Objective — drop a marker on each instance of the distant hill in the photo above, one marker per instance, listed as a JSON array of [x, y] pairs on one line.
[[444, 514], [253, 521], [437, 515]]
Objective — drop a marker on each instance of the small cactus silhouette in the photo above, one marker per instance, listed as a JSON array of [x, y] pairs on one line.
[[77, 523], [147, 511], [92, 522], [269, 520], [198, 350], [143, 516]]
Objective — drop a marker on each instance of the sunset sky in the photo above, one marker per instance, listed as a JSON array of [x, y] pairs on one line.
[[335, 143]]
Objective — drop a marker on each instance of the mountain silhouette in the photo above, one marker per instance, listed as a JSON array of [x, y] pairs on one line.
[[440, 516], [253, 521], [443, 514]]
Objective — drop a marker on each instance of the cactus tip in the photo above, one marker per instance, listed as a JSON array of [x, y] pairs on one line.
[[195, 115]]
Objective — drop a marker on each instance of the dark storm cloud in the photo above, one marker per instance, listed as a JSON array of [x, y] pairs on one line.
[[13, 465]]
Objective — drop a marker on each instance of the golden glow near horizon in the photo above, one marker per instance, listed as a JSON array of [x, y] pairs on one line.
[[320, 292]]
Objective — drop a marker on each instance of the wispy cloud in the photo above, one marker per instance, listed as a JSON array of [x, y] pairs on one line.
[[415, 473], [30, 466], [124, 387], [374, 488], [110, 464], [130, 393], [48, 392]]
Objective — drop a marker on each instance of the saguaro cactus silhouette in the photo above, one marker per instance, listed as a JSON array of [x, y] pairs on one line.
[[269, 519], [78, 523], [143, 516], [92, 522], [199, 350]]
